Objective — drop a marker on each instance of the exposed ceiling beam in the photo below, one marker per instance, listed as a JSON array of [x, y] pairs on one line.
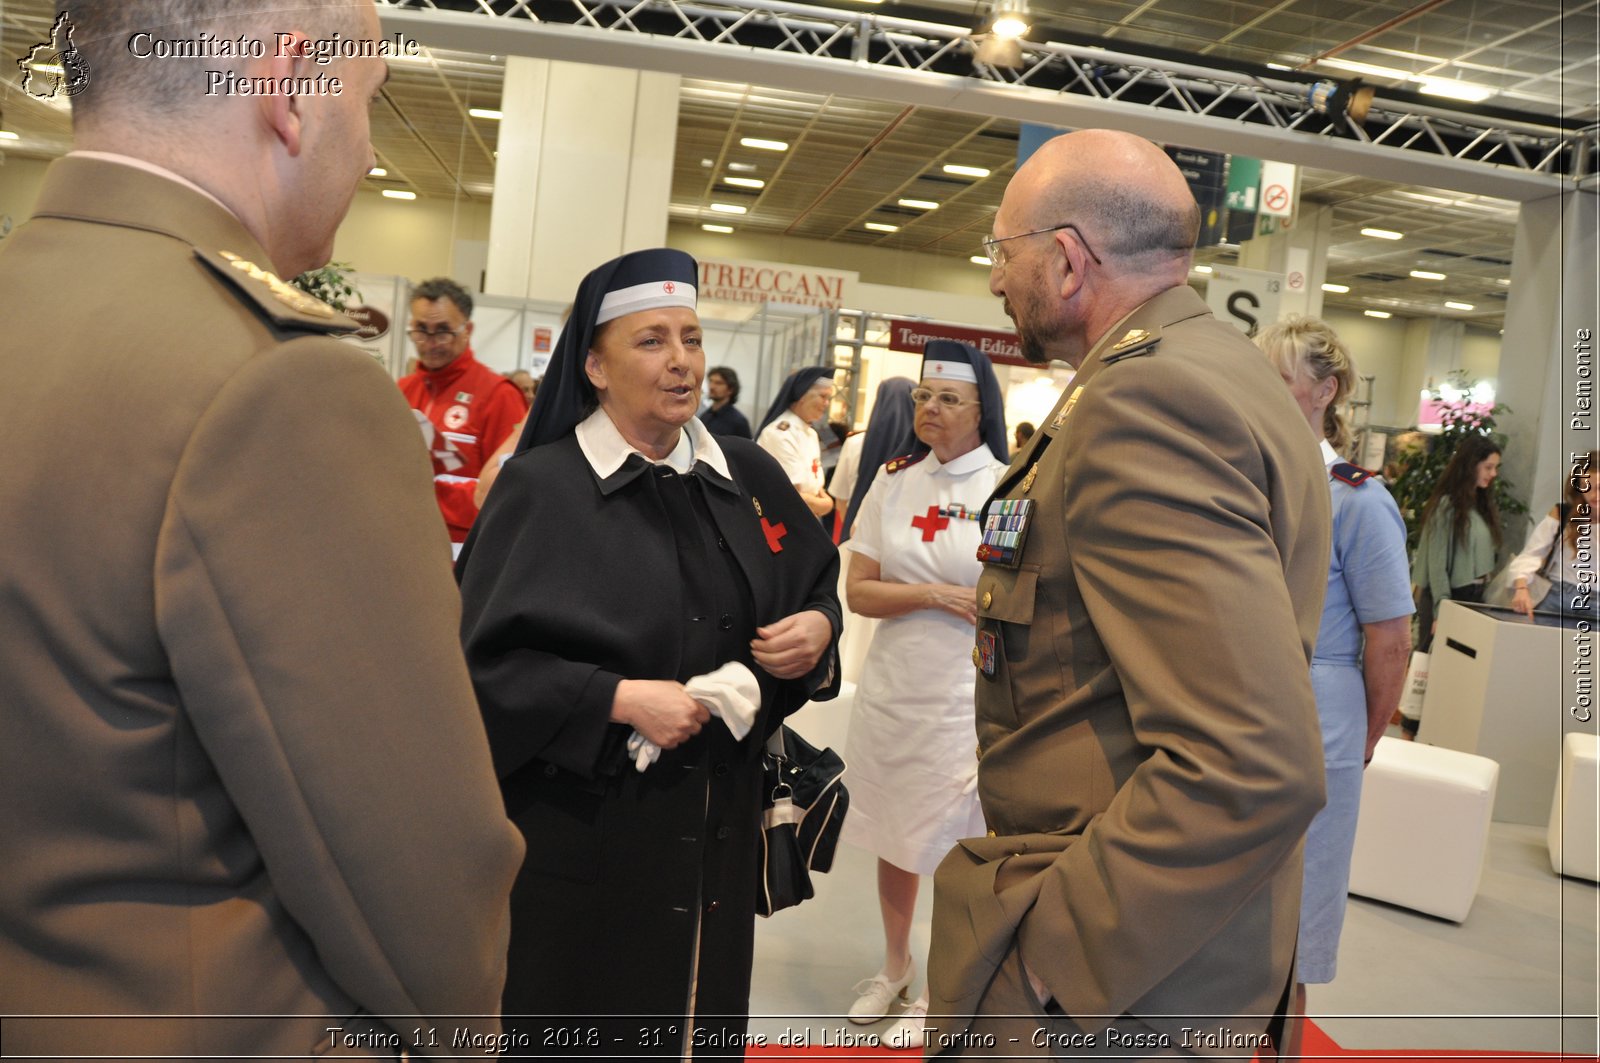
[[966, 95]]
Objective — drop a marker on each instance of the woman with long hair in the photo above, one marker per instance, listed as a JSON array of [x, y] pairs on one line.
[[1460, 532], [1555, 553]]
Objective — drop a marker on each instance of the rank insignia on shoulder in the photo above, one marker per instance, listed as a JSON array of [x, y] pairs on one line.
[[757, 502], [277, 298], [904, 461], [1032, 475], [1133, 342], [1354, 475]]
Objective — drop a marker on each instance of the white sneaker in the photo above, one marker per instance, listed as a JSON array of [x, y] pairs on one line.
[[878, 992], [908, 1032]]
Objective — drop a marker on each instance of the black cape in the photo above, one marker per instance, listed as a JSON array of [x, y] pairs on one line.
[[569, 585]]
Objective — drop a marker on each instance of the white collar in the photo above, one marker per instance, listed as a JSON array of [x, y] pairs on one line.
[[606, 450], [152, 168], [1329, 455], [979, 457]]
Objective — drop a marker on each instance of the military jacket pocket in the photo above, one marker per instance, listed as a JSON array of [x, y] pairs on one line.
[[1007, 593]]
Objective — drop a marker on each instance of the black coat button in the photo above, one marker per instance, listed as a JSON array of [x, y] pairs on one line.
[[721, 770], [726, 622], [713, 906], [722, 834], [722, 544], [550, 770]]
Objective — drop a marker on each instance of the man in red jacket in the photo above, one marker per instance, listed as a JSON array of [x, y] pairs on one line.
[[466, 409]]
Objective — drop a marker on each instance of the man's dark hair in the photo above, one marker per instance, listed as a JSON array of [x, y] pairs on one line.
[[731, 379], [167, 86], [445, 288]]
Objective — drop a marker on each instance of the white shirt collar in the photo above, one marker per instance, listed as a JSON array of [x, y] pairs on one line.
[[149, 167], [1329, 455], [978, 457], [606, 450]]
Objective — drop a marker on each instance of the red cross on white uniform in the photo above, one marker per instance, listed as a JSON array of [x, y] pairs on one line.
[[931, 524]]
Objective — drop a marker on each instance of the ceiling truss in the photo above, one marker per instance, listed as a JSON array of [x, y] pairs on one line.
[[1096, 74]]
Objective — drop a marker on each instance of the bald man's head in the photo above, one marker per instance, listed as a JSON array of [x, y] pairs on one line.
[[1120, 189]]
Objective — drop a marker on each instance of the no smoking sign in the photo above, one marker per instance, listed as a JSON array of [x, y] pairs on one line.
[[1276, 198]]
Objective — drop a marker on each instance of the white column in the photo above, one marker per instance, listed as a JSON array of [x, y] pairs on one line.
[[1547, 368], [1300, 249], [584, 173]]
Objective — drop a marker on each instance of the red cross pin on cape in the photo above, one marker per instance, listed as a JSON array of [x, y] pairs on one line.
[[773, 532]]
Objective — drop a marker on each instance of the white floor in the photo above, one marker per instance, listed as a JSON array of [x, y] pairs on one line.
[[1502, 980]]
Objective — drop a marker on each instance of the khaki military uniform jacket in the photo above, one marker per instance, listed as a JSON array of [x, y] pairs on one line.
[[242, 768], [1148, 741]]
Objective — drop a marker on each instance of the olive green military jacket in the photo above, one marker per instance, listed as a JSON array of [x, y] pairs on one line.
[[241, 765], [1148, 740]]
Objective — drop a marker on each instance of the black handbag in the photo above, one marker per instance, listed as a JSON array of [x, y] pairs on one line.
[[803, 804]]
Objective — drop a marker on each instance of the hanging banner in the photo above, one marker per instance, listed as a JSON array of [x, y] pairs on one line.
[[1002, 348], [734, 281], [1247, 298], [1031, 137], [1206, 172]]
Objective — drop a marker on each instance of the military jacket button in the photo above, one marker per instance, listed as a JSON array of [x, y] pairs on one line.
[[988, 599]]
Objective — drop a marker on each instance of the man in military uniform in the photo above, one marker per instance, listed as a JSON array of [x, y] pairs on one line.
[[249, 803], [1155, 560]]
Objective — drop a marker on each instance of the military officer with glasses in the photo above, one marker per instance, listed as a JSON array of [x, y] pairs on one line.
[[1154, 562], [466, 409]]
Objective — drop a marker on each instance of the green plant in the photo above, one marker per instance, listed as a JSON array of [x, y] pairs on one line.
[[1415, 484], [331, 284]]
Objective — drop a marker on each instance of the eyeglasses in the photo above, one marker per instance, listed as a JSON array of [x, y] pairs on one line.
[[946, 398], [419, 335], [997, 254]]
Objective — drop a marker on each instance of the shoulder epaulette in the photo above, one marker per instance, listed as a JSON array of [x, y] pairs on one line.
[[275, 297], [904, 461], [1132, 344], [1354, 475]]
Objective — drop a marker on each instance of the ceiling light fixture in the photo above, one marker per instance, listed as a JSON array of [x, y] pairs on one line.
[[377, 171], [1382, 314], [979, 260], [1454, 90], [717, 228], [1336, 289], [729, 208], [1427, 275], [398, 193], [6, 134], [1383, 234], [918, 204], [1009, 19], [966, 171], [744, 182], [742, 167], [484, 112], [1202, 269], [1460, 306], [880, 227], [764, 145]]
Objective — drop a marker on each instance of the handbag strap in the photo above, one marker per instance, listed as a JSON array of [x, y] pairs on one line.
[[1555, 540]]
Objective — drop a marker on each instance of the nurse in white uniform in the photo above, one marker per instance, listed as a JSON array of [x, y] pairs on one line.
[[787, 435], [913, 772]]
